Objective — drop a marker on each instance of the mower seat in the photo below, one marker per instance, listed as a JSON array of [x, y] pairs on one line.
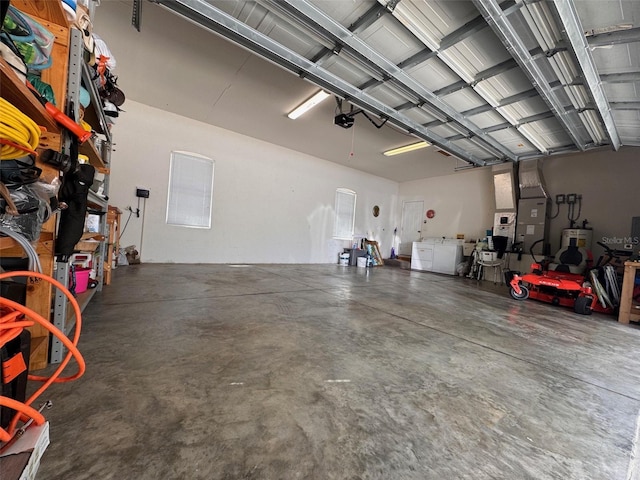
[[570, 259]]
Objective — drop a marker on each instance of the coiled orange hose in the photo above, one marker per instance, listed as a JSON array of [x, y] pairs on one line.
[[11, 327]]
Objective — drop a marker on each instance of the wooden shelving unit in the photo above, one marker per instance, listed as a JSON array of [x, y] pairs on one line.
[[67, 72], [629, 309], [113, 246], [39, 293]]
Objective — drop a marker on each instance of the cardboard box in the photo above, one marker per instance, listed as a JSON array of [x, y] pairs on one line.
[[35, 440]]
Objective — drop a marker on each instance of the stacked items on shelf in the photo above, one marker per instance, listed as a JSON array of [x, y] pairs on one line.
[[42, 137], [59, 101], [24, 175]]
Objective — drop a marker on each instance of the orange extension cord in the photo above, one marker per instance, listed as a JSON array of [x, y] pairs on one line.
[[11, 325]]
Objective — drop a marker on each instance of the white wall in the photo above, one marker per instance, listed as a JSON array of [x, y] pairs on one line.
[[463, 202], [271, 204], [277, 198], [607, 180], [274, 205]]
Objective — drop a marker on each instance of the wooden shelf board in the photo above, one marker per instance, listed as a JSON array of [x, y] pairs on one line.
[[19, 95], [94, 235], [39, 356], [89, 149], [7, 243], [44, 9], [11, 248]]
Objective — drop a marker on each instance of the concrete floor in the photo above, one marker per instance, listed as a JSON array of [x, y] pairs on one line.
[[329, 372]]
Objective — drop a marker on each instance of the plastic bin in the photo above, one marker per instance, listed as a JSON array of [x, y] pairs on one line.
[[82, 279]]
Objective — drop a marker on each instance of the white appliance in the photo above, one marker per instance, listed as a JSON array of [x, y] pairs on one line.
[[504, 225], [579, 237], [440, 255]]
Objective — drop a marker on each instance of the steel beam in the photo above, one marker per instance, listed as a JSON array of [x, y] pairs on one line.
[[495, 70], [551, 152], [454, 87], [215, 20], [573, 29], [309, 14], [500, 126], [468, 29], [503, 28], [421, 56], [631, 35], [535, 118], [518, 97], [366, 20], [625, 105], [626, 77]]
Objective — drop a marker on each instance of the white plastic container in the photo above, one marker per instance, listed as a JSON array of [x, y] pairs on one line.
[[489, 256], [343, 259], [361, 261]]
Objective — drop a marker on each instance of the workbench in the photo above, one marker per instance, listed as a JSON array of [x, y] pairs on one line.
[[628, 310]]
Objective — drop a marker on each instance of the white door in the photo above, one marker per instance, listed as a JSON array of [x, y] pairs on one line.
[[412, 213]]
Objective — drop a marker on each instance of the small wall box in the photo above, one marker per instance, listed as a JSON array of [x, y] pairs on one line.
[[142, 192]]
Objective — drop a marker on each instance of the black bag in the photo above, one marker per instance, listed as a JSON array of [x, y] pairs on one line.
[[14, 368], [73, 192], [20, 171]]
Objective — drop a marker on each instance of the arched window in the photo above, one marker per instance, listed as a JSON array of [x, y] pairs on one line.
[[345, 213]]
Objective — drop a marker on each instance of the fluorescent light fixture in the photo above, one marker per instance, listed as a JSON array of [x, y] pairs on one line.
[[407, 148], [308, 105]]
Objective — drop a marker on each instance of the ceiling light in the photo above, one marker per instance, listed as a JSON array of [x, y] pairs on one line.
[[407, 148], [309, 104]]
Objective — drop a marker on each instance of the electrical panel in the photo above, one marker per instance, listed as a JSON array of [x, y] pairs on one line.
[[504, 225]]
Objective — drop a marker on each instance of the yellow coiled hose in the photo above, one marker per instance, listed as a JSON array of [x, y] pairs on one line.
[[18, 133]]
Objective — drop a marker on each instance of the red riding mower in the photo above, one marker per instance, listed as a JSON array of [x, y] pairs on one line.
[[572, 282]]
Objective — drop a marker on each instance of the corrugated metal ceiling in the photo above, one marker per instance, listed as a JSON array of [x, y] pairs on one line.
[[487, 81]]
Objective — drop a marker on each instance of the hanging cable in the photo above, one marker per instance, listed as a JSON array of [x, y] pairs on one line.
[[34, 258], [18, 133], [571, 210], [371, 120], [125, 225], [557, 213], [353, 143]]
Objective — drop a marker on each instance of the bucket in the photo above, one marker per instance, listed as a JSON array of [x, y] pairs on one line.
[[361, 261], [344, 259], [82, 279]]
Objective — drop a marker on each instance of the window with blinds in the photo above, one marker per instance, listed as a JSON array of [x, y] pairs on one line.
[[190, 196], [345, 214]]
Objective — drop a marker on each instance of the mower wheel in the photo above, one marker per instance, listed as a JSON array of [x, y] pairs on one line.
[[523, 295], [583, 305]]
